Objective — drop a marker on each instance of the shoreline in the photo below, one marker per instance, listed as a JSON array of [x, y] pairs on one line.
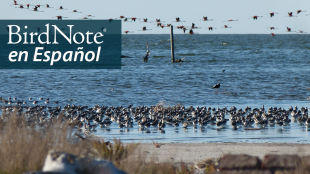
[[191, 153]]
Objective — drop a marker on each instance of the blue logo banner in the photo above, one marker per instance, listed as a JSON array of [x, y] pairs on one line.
[[60, 44]]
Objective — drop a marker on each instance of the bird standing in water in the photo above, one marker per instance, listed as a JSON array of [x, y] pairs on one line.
[[216, 86]]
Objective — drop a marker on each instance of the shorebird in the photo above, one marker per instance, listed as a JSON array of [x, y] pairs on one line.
[[216, 86], [185, 124], [225, 26]]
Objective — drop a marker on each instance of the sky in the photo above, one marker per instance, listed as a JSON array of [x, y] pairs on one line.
[[167, 10]]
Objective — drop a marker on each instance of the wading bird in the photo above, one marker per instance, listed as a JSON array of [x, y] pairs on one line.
[[272, 14], [289, 29], [134, 19], [290, 14], [216, 86], [15, 3], [211, 28], [191, 31], [144, 20], [128, 32], [20, 6], [126, 20], [61, 8], [39, 5], [255, 17], [225, 26], [59, 17], [36, 9], [272, 28], [48, 6], [299, 11], [28, 5], [75, 11], [180, 27], [85, 18], [177, 19], [158, 20], [205, 18], [144, 29], [230, 20], [300, 31], [193, 26]]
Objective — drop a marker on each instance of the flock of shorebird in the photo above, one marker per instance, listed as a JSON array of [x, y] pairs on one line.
[[158, 22], [88, 118]]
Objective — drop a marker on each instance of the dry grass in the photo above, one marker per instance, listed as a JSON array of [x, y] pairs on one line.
[[113, 152], [24, 149]]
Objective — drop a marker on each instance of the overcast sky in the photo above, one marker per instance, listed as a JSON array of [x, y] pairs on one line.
[[167, 10]]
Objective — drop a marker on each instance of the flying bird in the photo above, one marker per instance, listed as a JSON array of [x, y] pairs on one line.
[[255, 17], [230, 20], [205, 18], [75, 11], [272, 14]]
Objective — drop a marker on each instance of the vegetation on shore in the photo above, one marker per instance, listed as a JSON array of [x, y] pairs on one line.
[[24, 148]]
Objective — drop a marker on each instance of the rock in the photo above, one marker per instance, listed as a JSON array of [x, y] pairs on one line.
[[229, 162], [281, 161], [61, 162]]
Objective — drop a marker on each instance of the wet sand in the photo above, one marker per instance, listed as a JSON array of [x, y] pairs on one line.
[[191, 152]]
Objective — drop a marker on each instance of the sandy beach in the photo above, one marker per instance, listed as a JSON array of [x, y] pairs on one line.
[[194, 152]]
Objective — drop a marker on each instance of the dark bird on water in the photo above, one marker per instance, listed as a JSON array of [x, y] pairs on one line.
[[216, 86]]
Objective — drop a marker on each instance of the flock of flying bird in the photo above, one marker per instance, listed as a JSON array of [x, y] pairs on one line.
[[35, 9], [88, 118], [158, 22]]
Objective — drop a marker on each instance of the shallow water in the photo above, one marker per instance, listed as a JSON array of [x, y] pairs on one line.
[[259, 70]]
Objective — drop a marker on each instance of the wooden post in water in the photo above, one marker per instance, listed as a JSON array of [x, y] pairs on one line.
[[172, 43]]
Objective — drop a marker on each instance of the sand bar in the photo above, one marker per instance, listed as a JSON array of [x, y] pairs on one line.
[[194, 152]]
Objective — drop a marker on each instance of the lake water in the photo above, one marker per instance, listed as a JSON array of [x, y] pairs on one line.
[[259, 70]]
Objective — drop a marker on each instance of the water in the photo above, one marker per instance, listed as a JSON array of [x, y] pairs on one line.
[[259, 70]]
